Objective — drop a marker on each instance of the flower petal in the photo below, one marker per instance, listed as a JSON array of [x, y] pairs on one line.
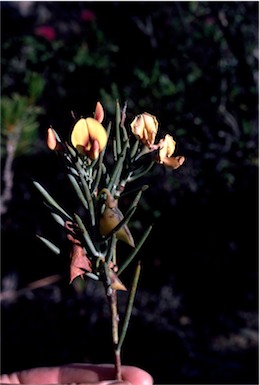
[[167, 147], [174, 162], [89, 137], [96, 133], [151, 127], [80, 136], [145, 127]]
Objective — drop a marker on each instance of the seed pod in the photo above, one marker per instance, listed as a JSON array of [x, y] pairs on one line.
[[111, 218]]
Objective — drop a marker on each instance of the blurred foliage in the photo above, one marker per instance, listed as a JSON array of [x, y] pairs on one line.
[[195, 66], [19, 117], [197, 72]]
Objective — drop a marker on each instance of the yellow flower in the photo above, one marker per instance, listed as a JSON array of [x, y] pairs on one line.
[[166, 147], [89, 137], [145, 127]]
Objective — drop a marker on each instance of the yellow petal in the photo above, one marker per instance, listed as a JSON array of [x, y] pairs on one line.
[[80, 136], [167, 147], [145, 127], [151, 127], [89, 137], [137, 126]]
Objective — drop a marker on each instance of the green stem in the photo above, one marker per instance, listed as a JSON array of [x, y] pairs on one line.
[[134, 149], [87, 193], [77, 188], [115, 176], [118, 136], [142, 171]]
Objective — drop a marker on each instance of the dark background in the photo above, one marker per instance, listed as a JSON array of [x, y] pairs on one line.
[[195, 66]]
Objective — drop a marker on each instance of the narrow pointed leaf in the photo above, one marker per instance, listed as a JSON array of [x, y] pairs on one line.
[[86, 236], [137, 198], [140, 172], [118, 136], [111, 249], [135, 251], [129, 306], [50, 200], [116, 173], [49, 244], [78, 191], [87, 193], [134, 149], [58, 219]]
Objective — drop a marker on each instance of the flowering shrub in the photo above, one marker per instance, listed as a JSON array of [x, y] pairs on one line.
[[93, 237]]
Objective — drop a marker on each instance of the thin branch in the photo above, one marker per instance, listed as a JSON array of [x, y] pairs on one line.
[[129, 307], [8, 174]]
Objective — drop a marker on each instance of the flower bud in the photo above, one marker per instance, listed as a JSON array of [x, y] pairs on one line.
[[99, 112], [52, 141], [145, 127]]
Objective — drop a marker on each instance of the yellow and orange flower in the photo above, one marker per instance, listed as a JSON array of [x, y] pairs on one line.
[[88, 136], [166, 147], [145, 127]]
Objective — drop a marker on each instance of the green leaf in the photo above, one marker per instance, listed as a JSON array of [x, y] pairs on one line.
[[49, 244], [50, 200]]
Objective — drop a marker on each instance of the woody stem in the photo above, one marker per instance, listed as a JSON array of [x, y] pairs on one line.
[[115, 320]]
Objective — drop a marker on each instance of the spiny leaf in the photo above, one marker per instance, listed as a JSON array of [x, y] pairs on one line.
[[86, 236], [135, 251], [49, 244], [58, 219], [129, 306], [50, 200]]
